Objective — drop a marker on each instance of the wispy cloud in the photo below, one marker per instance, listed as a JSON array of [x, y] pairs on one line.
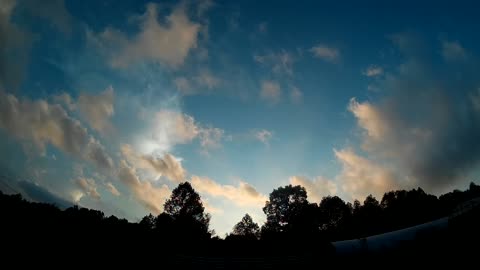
[[373, 71], [263, 27], [280, 63], [263, 135], [326, 53], [270, 91], [453, 51], [202, 83], [112, 189], [296, 96]]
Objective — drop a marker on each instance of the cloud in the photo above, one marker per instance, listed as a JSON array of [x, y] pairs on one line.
[[41, 123], [370, 119], [242, 195], [170, 128], [263, 136], [88, 187], [14, 47], [167, 129], [296, 96], [206, 79], [34, 192], [112, 189], [326, 53], [426, 126], [97, 109], [168, 43], [373, 71], [95, 153], [168, 165], [475, 97], [210, 138], [52, 10], [203, 83], [66, 100], [317, 188], [360, 176], [263, 27], [270, 92], [150, 196], [453, 51], [183, 85], [280, 63]]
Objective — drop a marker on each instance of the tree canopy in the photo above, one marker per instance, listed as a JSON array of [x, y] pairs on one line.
[[246, 228]]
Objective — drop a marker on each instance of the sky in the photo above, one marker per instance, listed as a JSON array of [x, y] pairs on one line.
[[110, 105]]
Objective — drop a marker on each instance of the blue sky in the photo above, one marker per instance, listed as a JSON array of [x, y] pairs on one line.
[[110, 105]]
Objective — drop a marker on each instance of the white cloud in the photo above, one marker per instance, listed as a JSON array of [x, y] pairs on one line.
[[360, 176], [170, 128], [370, 119], [242, 195], [317, 188], [76, 195], [280, 63], [112, 189], [150, 196], [88, 187], [169, 43], [453, 51], [326, 53], [97, 109], [168, 165], [263, 136], [373, 71], [41, 123], [296, 96], [270, 92]]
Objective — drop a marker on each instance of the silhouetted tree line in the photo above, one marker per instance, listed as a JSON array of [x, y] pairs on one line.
[[290, 218], [289, 215]]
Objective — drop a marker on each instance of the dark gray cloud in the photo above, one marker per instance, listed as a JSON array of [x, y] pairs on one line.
[[14, 48], [54, 11], [427, 124]]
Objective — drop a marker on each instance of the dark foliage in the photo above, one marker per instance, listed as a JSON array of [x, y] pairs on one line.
[[293, 227]]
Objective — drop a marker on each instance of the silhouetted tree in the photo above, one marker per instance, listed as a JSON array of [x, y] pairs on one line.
[[245, 229], [335, 215], [284, 206], [148, 222], [187, 211]]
